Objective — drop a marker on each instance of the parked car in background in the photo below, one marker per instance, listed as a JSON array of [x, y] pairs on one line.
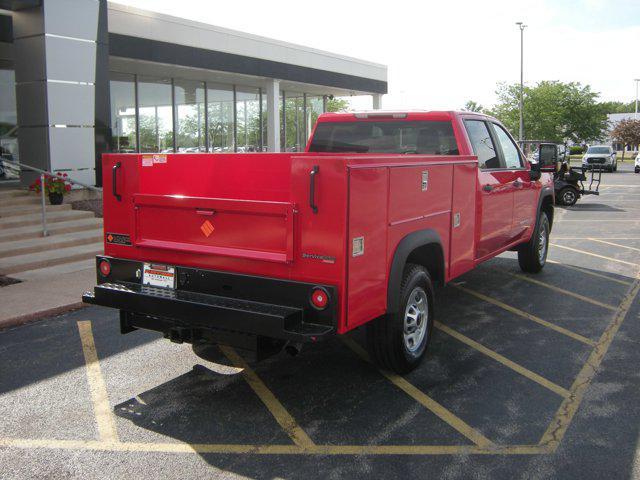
[[637, 169], [601, 156]]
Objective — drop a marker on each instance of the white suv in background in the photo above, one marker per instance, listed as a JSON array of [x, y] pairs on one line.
[[637, 169], [602, 156]]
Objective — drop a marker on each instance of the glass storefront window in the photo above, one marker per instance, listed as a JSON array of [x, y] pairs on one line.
[[248, 119], [220, 112], [190, 116], [294, 122], [314, 109], [155, 115], [8, 123], [123, 112]]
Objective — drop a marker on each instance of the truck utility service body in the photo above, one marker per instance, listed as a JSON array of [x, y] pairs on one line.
[[262, 250]]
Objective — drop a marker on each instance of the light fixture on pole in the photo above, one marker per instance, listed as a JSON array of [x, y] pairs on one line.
[[521, 26]]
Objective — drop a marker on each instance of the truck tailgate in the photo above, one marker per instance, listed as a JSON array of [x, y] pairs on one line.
[[255, 229]]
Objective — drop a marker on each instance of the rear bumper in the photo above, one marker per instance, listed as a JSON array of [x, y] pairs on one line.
[[192, 315]]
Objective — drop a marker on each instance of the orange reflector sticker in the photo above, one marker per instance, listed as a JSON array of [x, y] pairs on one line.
[[207, 228]]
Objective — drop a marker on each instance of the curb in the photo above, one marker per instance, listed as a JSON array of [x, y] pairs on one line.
[[39, 315]]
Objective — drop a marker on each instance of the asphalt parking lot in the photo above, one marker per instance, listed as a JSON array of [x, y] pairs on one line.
[[527, 377]]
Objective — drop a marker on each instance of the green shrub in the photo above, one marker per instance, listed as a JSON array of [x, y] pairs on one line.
[[576, 150]]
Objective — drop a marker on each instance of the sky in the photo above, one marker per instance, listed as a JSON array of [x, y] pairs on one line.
[[442, 53]]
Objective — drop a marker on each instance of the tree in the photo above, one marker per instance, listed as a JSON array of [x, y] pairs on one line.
[[472, 106], [627, 132], [617, 107], [553, 111], [335, 104]]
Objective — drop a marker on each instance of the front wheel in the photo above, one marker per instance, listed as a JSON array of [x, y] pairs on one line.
[[533, 255], [399, 341]]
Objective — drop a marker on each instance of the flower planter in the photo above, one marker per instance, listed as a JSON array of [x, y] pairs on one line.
[[55, 198]]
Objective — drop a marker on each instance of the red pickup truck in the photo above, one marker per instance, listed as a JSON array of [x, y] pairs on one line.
[[270, 250]]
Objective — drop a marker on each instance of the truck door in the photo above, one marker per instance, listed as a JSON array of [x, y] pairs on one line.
[[495, 190], [524, 193]]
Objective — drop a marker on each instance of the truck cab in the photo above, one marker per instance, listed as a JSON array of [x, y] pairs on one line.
[[263, 251]]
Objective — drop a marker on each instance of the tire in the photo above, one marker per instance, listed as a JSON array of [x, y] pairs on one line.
[[393, 342], [567, 196], [532, 256], [637, 169]]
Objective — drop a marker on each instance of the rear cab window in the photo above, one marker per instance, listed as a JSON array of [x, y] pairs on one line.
[[414, 137]]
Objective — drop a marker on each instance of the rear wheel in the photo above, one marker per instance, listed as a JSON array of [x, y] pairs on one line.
[[533, 255], [568, 196], [399, 341]]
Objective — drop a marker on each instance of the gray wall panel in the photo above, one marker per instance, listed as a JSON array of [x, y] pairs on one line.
[[32, 105], [29, 58], [70, 104], [72, 18], [69, 147], [70, 60]]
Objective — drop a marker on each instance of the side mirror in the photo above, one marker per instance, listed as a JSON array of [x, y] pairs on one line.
[[535, 173], [547, 158]]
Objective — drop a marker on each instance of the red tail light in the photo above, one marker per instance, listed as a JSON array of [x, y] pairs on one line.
[[105, 267], [319, 298]]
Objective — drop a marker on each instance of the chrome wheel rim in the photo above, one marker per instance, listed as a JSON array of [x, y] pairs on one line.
[[416, 316], [542, 243]]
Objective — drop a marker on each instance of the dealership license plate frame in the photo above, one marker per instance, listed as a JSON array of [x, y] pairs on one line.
[[156, 275]]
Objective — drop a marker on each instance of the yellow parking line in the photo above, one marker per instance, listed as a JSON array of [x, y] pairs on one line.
[[560, 423], [102, 410], [523, 314], [589, 272], [560, 290], [599, 220], [613, 244], [594, 255], [593, 238], [282, 416], [244, 449], [505, 361], [441, 412]]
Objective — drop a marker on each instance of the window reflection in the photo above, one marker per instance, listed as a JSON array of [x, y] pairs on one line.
[[155, 115], [190, 116], [220, 111], [123, 112], [248, 119]]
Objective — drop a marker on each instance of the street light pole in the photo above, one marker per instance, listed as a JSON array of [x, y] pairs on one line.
[[635, 115], [522, 26]]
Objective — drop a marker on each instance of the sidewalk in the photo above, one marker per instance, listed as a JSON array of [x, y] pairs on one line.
[[45, 293]]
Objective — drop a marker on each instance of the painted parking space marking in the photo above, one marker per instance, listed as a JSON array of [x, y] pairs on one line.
[[444, 414], [523, 314], [560, 423], [589, 272], [534, 281], [594, 255], [563, 392], [613, 244], [282, 416], [99, 396]]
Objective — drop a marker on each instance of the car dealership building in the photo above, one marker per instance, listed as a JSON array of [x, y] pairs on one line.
[[82, 77]]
